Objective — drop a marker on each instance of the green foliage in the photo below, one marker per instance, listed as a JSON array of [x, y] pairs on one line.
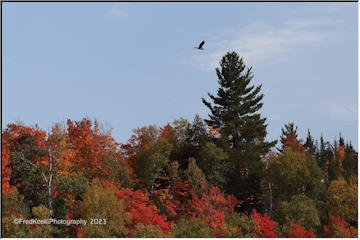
[[309, 144], [25, 177], [181, 128], [240, 225], [71, 189], [75, 184], [173, 170], [350, 163], [235, 112], [192, 229], [119, 172], [147, 231], [178, 180], [191, 137], [102, 203], [213, 162], [302, 208], [42, 230], [197, 134], [151, 162], [195, 176], [13, 207], [290, 174], [342, 199]]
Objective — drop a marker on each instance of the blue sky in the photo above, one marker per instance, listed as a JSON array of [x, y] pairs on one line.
[[130, 65]]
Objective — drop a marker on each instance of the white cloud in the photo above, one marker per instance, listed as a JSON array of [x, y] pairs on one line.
[[340, 108], [259, 42], [116, 13]]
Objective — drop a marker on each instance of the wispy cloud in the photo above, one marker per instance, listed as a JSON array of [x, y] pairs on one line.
[[117, 13], [259, 42], [340, 109]]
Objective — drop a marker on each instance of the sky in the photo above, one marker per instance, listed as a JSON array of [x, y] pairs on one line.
[[133, 64]]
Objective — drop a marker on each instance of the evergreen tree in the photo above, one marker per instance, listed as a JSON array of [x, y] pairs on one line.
[[321, 156], [351, 162], [197, 132], [289, 139], [289, 131], [195, 138], [213, 162], [235, 112], [309, 145]]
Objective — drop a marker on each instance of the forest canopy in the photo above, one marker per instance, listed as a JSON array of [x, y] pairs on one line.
[[213, 177]]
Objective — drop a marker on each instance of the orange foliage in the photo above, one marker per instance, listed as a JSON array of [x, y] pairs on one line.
[[89, 145], [292, 142], [5, 170], [341, 153], [214, 132], [212, 206], [142, 210], [167, 133]]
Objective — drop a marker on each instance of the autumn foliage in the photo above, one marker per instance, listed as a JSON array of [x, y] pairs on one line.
[[179, 201], [338, 228], [142, 210], [89, 146], [264, 225], [217, 177], [5, 170], [298, 232]]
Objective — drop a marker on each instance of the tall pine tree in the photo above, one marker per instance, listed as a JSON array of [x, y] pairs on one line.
[[309, 145], [235, 112]]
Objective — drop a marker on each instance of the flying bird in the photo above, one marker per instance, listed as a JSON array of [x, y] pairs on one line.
[[200, 47]]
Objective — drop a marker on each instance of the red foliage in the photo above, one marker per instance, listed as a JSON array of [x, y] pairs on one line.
[[142, 210], [5, 170], [298, 232], [166, 200], [18, 133], [264, 225], [338, 228], [13, 136], [89, 145], [212, 206], [182, 198], [79, 233]]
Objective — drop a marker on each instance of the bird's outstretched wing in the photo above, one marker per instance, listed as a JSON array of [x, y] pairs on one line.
[[201, 44]]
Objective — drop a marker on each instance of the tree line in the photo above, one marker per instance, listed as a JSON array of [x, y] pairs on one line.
[[217, 177]]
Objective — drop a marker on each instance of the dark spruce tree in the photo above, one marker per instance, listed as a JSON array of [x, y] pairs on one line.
[[309, 145], [235, 112]]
